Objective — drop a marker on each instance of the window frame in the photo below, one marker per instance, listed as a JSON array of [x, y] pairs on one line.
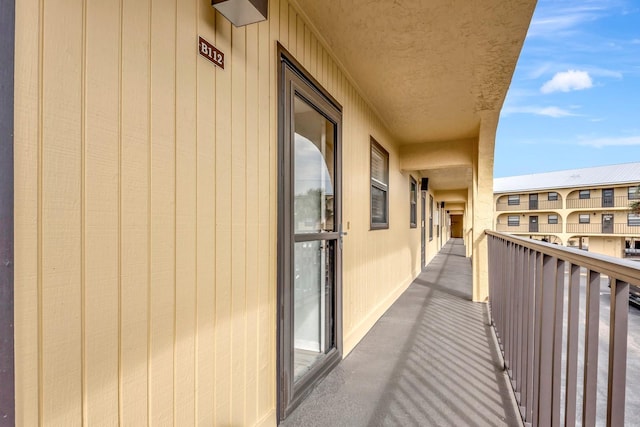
[[413, 202], [514, 223], [555, 221], [633, 193], [587, 216], [633, 217], [374, 183], [555, 198], [515, 202], [584, 194]]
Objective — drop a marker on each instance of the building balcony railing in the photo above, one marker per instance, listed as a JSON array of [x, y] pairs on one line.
[[530, 313], [599, 202], [599, 228], [530, 228], [526, 205]]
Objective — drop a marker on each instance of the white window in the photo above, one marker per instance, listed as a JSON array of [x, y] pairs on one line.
[[553, 196], [513, 221], [514, 200], [633, 220], [584, 219], [585, 194], [553, 219]]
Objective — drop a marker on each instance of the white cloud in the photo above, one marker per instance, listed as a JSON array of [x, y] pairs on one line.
[[553, 21], [554, 112], [551, 111], [604, 72], [540, 70], [567, 81], [635, 41], [610, 141]]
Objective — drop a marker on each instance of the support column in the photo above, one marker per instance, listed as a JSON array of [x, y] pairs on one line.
[[468, 221], [482, 210]]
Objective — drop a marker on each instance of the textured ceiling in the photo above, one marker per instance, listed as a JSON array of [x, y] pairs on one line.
[[427, 66], [451, 178]]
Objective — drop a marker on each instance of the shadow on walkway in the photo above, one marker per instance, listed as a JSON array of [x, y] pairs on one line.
[[429, 361]]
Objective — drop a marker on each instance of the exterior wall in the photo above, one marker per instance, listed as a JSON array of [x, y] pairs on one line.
[[146, 212], [612, 246]]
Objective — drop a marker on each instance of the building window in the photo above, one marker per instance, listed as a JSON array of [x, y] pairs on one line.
[[633, 220], [553, 196], [584, 219], [514, 200], [379, 186], [634, 193], [585, 194], [430, 218], [553, 219], [413, 203], [513, 221]]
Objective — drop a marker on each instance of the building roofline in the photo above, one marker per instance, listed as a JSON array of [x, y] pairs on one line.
[[599, 176]]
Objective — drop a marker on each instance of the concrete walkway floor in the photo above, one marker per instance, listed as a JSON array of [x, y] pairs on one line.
[[429, 361]]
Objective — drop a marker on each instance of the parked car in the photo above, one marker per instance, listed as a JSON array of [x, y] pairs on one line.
[[634, 294]]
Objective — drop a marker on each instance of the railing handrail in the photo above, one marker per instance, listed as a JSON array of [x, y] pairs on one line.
[[597, 223], [527, 284], [621, 269]]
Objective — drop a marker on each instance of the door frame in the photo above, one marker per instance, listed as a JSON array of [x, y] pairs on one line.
[[423, 228], [290, 71], [536, 222], [602, 223], [7, 261]]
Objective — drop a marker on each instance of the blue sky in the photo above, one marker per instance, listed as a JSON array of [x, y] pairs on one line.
[[575, 96]]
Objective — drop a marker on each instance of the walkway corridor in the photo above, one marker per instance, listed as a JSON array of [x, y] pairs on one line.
[[429, 361]]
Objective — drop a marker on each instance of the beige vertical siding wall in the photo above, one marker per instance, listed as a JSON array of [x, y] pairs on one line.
[[145, 212]]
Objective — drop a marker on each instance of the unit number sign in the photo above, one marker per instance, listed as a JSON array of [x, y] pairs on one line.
[[210, 52]]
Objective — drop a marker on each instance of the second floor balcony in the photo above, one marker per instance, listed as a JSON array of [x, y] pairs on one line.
[[604, 228], [553, 338], [530, 228], [526, 205], [599, 202]]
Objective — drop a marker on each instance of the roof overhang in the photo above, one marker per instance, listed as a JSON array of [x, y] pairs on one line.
[[427, 67]]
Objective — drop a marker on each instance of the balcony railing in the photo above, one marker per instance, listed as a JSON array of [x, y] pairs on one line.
[[530, 228], [527, 282], [600, 202], [599, 228], [524, 205]]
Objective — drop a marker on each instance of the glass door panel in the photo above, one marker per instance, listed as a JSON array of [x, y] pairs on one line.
[[314, 170], [313, 213], [312, 304]]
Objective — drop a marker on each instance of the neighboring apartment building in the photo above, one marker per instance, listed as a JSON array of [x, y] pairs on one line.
[[586, 208], [204, 218]]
